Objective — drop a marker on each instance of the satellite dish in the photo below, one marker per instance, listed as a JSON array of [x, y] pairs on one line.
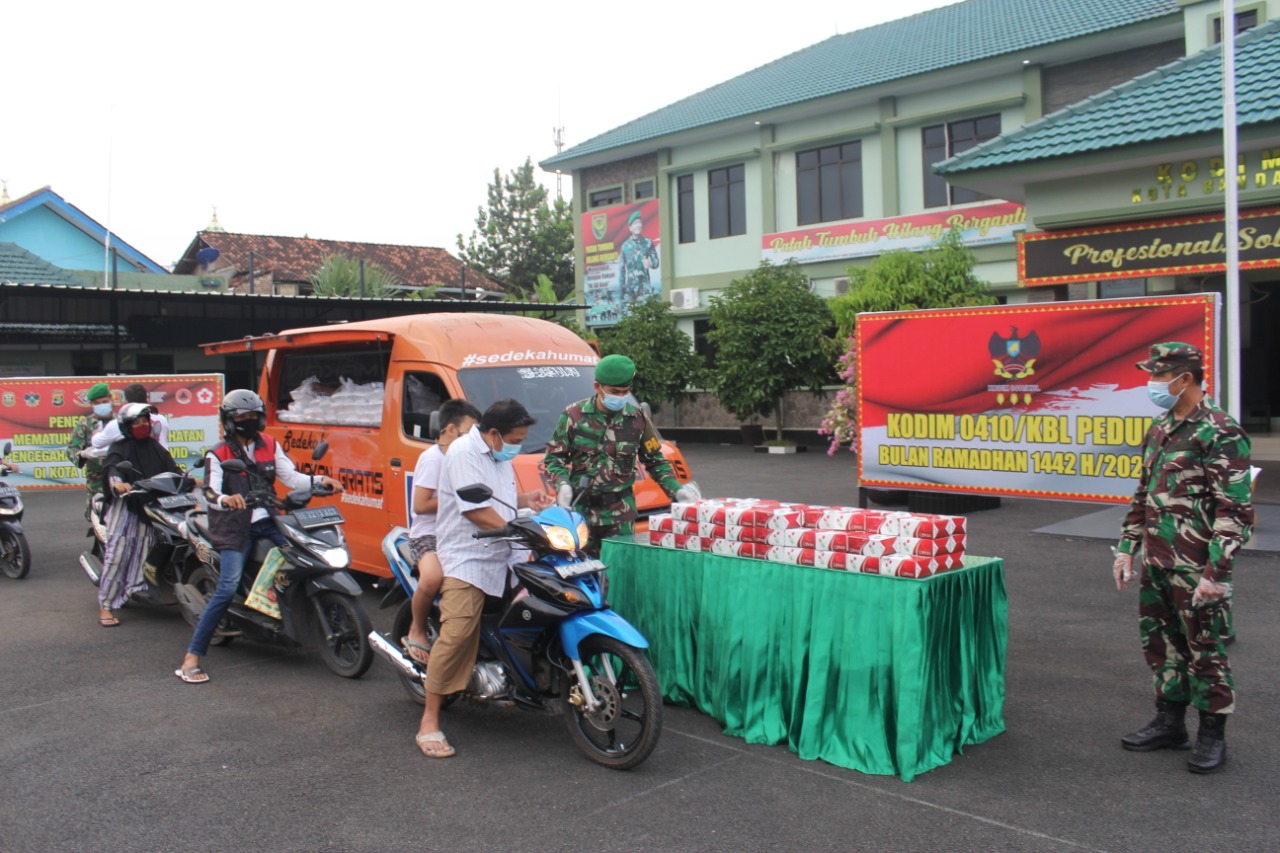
[[206, 256]]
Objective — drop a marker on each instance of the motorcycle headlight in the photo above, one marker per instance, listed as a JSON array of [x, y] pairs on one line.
[[560, 539], [583, 534], [336, 558]]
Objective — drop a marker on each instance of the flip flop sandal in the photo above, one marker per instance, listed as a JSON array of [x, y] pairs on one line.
[[438, 738], [108, 621], [410, 647], [195, 675]]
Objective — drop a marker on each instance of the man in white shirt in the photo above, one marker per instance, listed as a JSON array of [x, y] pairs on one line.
[[110, 432], [472, 568], [457, 417]]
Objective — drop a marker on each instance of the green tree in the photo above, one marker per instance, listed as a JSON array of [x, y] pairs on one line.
[[941, 277], [545, 294], [521, 235], [768, 329], [340, 276], [666, 365]]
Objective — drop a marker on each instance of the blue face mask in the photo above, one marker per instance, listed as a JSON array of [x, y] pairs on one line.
[[1158, 392], [614, 404], [102, 410], [507, 453]]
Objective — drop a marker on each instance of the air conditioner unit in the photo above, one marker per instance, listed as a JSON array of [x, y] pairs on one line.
[[684, 298], [842, 286]]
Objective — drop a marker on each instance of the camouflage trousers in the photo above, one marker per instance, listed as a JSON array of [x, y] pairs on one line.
[[600, 533], [1183, 645]]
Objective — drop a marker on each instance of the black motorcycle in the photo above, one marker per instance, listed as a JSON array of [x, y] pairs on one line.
[[166, 498], [15, 553], [306, 591]]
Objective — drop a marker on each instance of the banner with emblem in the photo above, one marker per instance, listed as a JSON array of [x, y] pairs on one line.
[[622, 259], [1038, 400], [38, 415]]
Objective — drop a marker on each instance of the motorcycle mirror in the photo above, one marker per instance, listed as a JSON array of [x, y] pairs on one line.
[[319, 451], [8, 448], [199, 463], [235, 466], [475, 493], [126, 466]]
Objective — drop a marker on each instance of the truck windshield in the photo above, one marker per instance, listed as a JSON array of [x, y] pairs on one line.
[[544, 389]]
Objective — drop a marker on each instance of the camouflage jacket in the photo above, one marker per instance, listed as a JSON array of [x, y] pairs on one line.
[[1192, 510], [634, 279], [605, 446], [80, 438]]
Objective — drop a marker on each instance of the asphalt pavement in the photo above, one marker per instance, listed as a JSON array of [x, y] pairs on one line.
[[102, 748]]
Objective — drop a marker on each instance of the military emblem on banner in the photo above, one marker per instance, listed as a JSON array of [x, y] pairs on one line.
[[599, 225], [58, 397], [9, 399], [31, 398], [1015, 359]]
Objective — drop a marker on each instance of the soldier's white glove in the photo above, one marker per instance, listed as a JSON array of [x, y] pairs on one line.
[[1122, 569], [688, 493], [1210, 592], [564, 496]]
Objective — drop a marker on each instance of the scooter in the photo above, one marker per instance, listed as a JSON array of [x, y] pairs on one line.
[[304, 589], [15, 553], [551, 644], [166, 500]]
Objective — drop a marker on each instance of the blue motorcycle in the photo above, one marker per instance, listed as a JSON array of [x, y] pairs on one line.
[[551, 643]]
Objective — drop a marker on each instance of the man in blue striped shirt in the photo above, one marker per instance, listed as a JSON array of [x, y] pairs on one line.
[[472, 568]]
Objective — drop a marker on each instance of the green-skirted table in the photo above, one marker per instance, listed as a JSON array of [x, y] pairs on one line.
[[877, 674]]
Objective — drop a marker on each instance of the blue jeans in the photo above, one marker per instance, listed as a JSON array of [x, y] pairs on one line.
[[230, 568]]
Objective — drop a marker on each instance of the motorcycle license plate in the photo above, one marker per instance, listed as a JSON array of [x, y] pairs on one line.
[[321, 516], [582, 567], [176, 501]]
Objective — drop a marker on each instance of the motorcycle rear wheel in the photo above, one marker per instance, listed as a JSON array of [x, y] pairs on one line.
[[399, 630], [625, 730], [342, 633], [205, 581], [15, 555]]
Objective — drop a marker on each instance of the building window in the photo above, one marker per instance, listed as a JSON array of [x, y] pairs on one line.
[[728, 201], [943, 141], [1244, 21], [702, 345], [829, 183], [643, 189], [604, 198], [684, 207]]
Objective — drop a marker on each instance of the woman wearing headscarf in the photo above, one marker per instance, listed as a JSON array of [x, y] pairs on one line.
[[129, 537]]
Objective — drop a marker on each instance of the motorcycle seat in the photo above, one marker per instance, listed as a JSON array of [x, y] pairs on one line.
[[405, 549]]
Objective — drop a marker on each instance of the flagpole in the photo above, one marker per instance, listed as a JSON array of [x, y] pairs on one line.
[[1232, 218]]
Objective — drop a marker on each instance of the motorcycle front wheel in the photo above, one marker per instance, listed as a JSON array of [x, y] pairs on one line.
[[15, 554], [342, 632], [624, 730]]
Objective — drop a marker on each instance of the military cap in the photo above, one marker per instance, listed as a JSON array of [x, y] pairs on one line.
[[1172, 355], [99, 390], [635, 214], [615, 370]]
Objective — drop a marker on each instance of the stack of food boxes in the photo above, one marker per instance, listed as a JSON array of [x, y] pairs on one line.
[[900, 544]]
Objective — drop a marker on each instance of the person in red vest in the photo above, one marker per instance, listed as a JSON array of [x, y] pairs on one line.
[[234, 529]]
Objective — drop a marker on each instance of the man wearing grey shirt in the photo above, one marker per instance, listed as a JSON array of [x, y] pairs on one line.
[[472, 568]]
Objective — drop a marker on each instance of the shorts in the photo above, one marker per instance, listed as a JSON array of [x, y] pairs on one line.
[[453, 654], [422, 545]]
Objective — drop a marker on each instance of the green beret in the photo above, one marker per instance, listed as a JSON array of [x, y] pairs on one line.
[[1173, 355], [615, 370], [99, 390], [635, 214]]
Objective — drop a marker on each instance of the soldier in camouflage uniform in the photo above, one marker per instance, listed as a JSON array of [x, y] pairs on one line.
[[1190, 514], [638, 256], [602, 438], [99, 397]]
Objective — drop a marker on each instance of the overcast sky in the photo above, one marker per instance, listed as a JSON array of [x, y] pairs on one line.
[[374, 121]]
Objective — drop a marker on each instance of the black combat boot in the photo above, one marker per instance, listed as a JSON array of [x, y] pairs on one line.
[[1167, 730], [1211, 747]]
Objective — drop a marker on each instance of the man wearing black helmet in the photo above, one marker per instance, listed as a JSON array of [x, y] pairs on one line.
[[233, 527]]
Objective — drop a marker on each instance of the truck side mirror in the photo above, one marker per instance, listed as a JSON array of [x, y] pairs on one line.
[[433, 427]]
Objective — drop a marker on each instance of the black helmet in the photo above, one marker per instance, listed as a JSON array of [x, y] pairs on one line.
[[237, 403]]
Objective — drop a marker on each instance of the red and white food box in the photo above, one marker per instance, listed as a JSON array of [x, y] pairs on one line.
[[879, 521], [830, 559], [678, 541], [684, 511], [924, 526], [734, 532], [862, 563], [662, 522], [793, 556], [730, 548], [906, 566], [751, 516], [928, 547]]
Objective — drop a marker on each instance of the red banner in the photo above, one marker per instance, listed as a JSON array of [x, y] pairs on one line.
[[1038, 400], [38, 417]]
